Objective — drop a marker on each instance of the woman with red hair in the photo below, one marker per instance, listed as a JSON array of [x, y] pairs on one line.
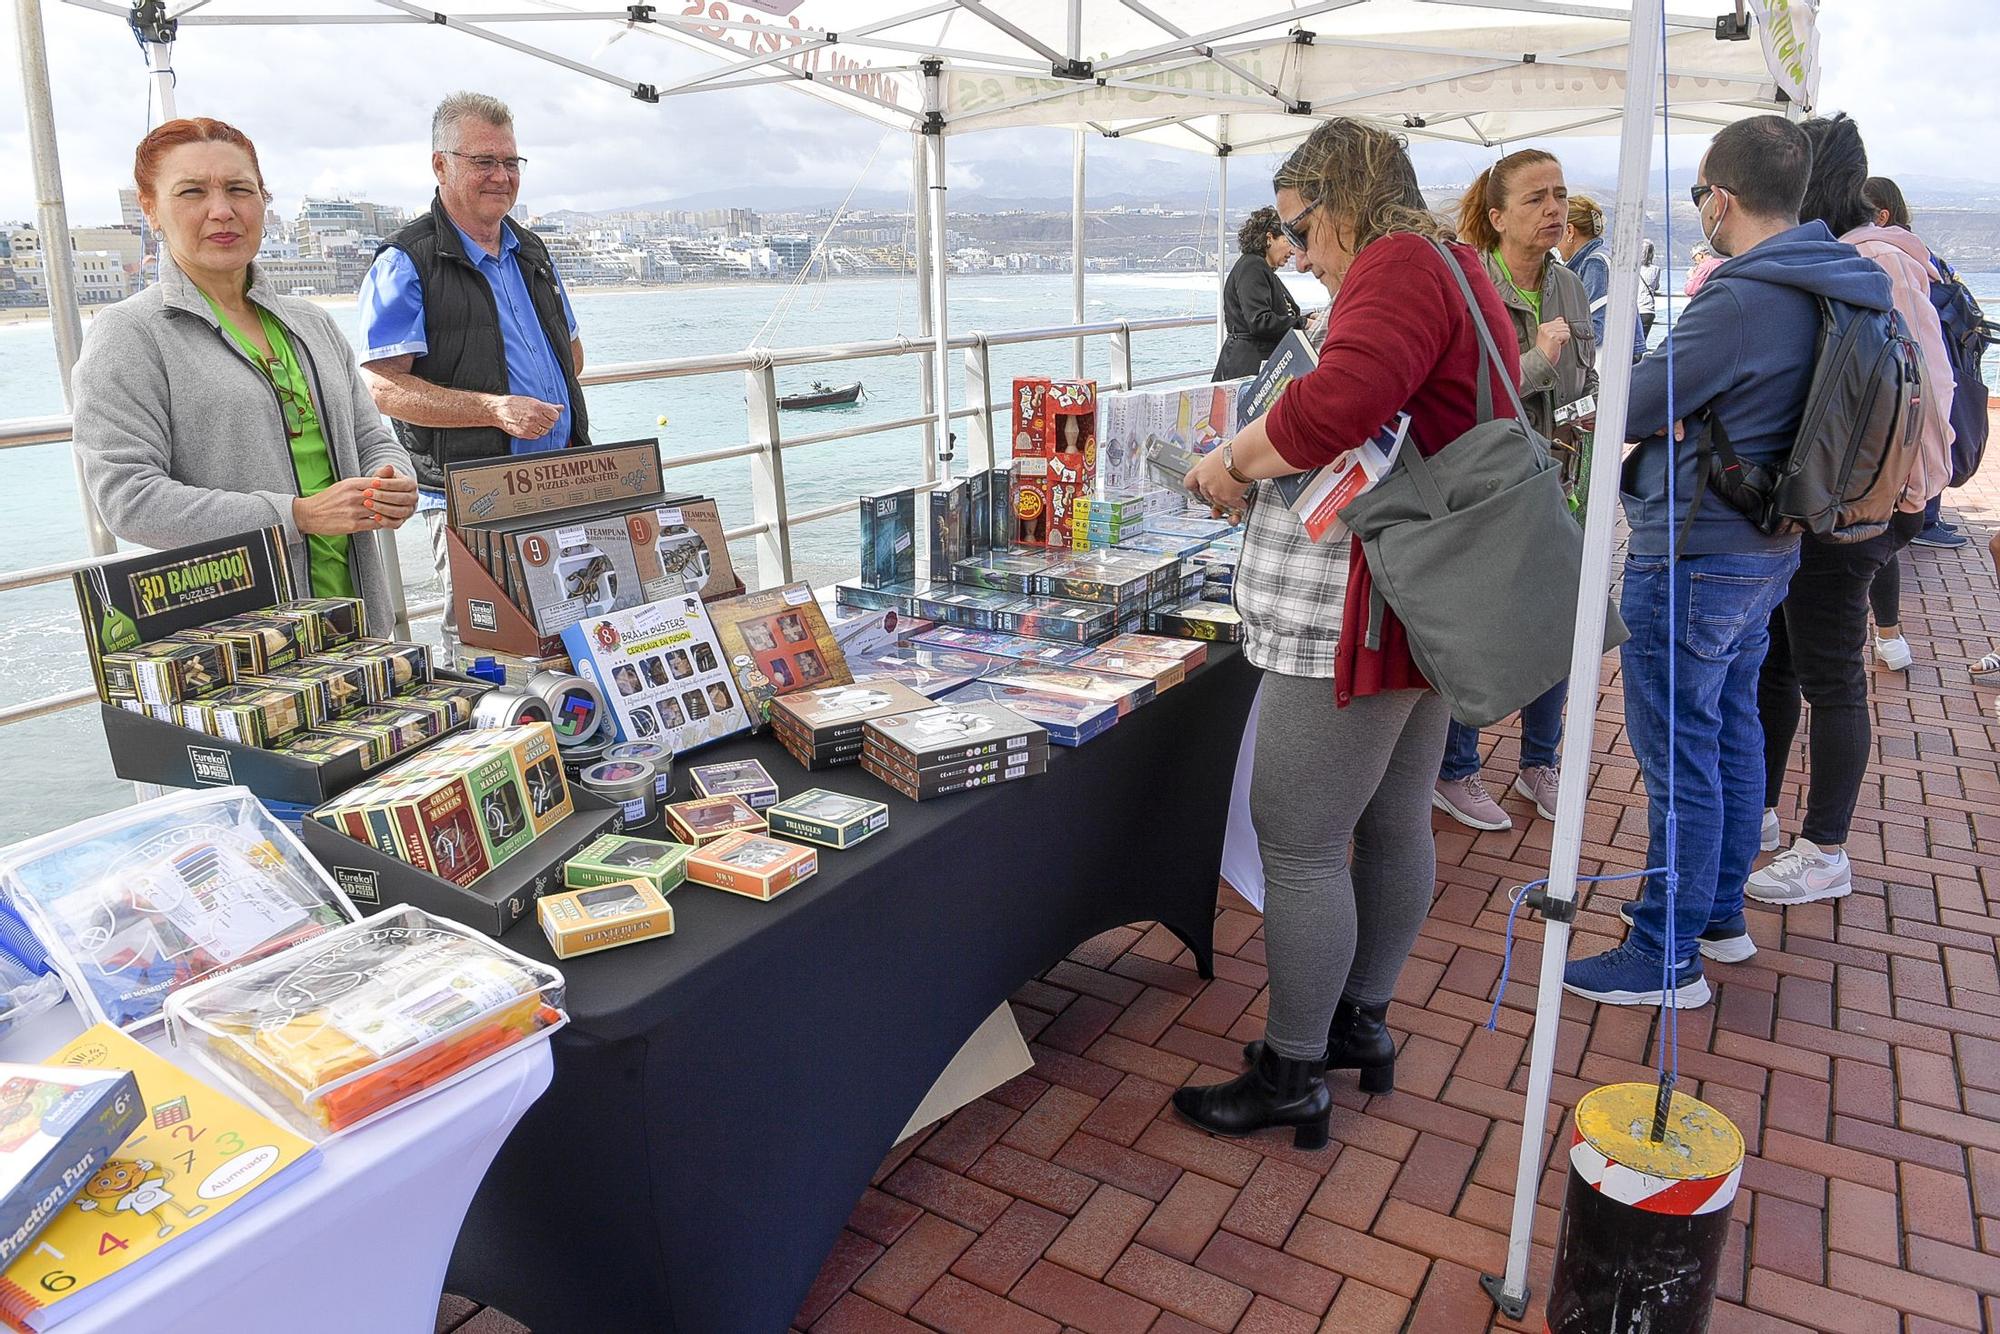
[[208, 404]]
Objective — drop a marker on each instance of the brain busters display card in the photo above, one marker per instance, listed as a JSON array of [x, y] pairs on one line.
[[662, 671]]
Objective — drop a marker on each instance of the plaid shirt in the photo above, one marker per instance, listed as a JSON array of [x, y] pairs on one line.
[[1289, 589]]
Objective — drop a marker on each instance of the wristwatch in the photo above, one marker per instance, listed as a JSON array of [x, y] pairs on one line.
[[1229, 462]]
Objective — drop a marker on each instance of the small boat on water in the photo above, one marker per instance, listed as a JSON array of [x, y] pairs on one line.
[[824, 395]]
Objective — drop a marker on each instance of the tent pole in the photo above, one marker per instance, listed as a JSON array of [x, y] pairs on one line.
[[1222, 262], [934, 134], [52, 220], [1078, 218], [1642, 99], [920, 245], [160, 62]]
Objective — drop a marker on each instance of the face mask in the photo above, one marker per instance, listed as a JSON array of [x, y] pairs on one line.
[[1709, 235]]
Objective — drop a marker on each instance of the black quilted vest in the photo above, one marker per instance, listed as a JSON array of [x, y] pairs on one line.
[[462, 330]]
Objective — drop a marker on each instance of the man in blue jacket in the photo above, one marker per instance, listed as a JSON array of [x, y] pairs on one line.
[[1742, 354]]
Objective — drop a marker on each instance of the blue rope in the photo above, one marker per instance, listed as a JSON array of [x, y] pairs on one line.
[[1669, 1050], [1519, 895]]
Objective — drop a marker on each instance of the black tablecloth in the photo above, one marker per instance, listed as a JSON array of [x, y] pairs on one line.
[[721, 1098]]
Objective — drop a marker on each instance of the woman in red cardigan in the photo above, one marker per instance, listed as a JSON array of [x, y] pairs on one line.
[[1349, 738]]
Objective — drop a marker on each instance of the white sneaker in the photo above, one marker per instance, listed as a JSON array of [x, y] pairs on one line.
[[1773, 837], [1802, 874], [1893, 653]]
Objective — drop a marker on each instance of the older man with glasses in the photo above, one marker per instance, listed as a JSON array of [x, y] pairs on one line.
[[471, 345]]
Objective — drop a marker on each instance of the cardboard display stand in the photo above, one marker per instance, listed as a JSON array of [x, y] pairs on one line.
[[492, 903], [524, 527]]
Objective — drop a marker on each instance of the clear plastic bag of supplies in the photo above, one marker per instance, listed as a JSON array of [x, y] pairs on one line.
[[340, 1030], [137, 904]]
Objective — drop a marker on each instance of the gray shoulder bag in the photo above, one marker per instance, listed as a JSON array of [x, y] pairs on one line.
[[1475, 550]]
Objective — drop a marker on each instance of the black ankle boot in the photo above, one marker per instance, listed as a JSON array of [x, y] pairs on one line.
[[1358, 1040], [1273, 1092]]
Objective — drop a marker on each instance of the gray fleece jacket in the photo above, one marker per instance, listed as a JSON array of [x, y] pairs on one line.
[[183, 440]]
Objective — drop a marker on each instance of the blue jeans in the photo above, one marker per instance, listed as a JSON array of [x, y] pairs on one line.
[[1541, 734], [1934, 511], [1721, 630]]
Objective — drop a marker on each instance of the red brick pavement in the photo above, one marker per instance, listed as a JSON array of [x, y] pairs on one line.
[[1859, 1052]]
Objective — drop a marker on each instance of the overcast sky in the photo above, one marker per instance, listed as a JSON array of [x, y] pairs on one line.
[[345, 110]]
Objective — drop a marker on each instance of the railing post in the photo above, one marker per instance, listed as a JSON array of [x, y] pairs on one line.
[[1121, 355], [767, 474], [979, 397]]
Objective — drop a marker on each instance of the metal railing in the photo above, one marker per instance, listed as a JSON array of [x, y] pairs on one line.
[[764, 448]]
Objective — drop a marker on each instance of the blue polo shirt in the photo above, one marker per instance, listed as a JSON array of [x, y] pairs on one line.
[[392, 325]]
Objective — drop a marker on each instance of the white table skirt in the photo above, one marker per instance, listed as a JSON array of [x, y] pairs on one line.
[[359, 1243]]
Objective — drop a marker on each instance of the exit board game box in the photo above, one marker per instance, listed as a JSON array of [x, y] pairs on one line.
[[751, 864], [662, 671], [1127, 692], [621, 912], [831, 819], [1070, 720], [948, 542], [888, 538], [932, 672], [1215, 622], [775, 642], [1055, 456], [1164, 672], [612, 858], [1053, 618], [995, 644], [896, 597], [978, 513], [1190, 653], [954, 604], [59, 1125], [1010, 571]]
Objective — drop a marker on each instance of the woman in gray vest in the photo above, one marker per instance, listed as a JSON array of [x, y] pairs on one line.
[[209, 405], [1514, 215]]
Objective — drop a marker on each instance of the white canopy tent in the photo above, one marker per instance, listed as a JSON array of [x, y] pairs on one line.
[[1199, 74]]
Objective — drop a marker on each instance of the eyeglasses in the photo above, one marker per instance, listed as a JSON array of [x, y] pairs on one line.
[[297, 411], [486, 164], [1289, 227]]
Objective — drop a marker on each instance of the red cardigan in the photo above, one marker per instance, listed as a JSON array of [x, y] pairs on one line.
[[1400, 340]]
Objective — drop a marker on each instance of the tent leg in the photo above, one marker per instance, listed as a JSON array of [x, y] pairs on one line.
[[1222, 260], [934, 134], [52, 218], [1642, 89], [1078, 219], [920, 245]]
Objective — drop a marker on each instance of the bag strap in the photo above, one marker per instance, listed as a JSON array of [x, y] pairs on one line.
[[1486, 345]]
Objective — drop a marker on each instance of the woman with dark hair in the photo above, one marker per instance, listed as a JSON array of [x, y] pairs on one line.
[[1886, 198], [1515, 214], [1819, 634], [1257, 311], [209, 404], [1348, 735]]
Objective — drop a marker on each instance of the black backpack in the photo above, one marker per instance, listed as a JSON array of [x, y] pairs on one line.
[[1857, 440], [1967, 335]]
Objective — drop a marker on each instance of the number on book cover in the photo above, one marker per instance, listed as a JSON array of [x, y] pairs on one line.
[[57, 1281], [187, 1161], [228, 1143], [192, 1134], [50, 1249], [110, 1242]]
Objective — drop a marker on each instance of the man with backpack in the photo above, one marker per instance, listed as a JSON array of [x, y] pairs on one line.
[[1742, 358], [1819, 637]]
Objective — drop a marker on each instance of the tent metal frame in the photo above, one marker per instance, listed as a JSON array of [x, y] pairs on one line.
[[931, 126]]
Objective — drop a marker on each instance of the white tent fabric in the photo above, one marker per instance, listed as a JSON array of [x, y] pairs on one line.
[[1479, 71]]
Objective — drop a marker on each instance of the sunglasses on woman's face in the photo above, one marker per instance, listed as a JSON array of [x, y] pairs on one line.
[[1289, 227]]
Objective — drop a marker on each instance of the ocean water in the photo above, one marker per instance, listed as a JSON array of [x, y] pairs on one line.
[[56, 768]]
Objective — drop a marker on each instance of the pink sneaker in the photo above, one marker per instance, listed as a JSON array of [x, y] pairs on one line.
[[1467, 801], [1539, 784]]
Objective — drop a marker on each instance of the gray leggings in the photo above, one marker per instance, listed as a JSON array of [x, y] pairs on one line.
[[1325, 777]]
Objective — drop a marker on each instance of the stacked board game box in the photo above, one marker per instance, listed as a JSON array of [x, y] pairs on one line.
[[1215, 622], [1164, 672], [1190, 653], [953, 747], [931, 672], [994, 644], [1070, 720], [1126, 692], [1011, 571], [822, 728]]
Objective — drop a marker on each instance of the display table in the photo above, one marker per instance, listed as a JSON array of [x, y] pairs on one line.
[[358, 1243], [721, 1098]]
